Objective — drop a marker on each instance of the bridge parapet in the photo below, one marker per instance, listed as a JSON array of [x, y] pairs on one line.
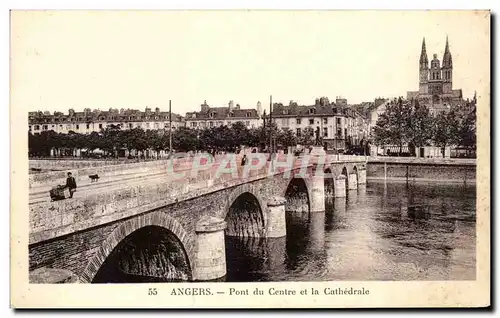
[[53, 219], [93, 208]]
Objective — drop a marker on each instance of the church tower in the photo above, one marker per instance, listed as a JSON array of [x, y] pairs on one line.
[[424, 70], [447, 69], [435, 82]]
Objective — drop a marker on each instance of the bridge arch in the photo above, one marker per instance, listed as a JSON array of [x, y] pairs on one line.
[[297, 195], [156, 224], [244, 213]]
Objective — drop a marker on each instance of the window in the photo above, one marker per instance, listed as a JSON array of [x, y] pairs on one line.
[[338, 121], [325, 121], [298, 132], [339, 133], [130, 125], [249, 114], [53, 126], [60, 126], [100, 126], [211, 124], [311, 121], [325, 132], [29, 128], [298, 121], [312, 111], [37, 127], [88, 126], [77, 126]]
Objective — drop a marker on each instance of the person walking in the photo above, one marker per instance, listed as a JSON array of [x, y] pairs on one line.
[[71, 184]]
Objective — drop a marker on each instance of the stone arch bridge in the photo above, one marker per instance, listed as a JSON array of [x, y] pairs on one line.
[[175, 230]]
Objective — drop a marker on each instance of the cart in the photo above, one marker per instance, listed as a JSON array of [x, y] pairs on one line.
[[59, 193]]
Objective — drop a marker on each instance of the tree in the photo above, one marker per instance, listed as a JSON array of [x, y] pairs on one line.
[[111, 137], [240, 134], [392, 126], [306, 138], [286, 138], [420, 127], [445, 132], [466, 132], [185, 139]]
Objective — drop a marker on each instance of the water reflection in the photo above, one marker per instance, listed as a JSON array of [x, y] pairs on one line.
[[392, 231]]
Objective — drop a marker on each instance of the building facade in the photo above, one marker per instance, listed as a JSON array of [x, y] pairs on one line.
[[338, 123], [89, 121], [209, 117], [436, 82]]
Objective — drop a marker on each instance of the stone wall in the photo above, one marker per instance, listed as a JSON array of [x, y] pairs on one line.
[[421, 172], [59, 177]]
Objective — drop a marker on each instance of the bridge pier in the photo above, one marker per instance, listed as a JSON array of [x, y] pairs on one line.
[[276, 218], [316, 229], [210, 257], [340, 191], [361, 176], [317, 200], [353, 181]]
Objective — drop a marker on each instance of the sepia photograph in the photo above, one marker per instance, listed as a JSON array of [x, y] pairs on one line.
[[257, 158]]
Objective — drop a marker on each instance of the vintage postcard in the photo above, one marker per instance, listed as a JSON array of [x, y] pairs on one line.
[[250, 159]]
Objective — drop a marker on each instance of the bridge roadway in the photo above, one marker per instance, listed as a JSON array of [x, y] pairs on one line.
[[189, 216]]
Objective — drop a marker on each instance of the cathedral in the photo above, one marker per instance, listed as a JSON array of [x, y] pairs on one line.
[[435, 82]]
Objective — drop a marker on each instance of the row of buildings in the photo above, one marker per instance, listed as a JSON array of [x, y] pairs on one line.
[[338, 122]]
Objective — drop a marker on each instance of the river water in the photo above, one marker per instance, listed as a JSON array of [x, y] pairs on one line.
[[381, 231]]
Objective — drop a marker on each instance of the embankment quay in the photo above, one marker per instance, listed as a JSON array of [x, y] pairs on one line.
[[421, 169], [189, 213]]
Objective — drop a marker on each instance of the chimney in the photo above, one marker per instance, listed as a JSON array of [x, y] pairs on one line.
[[204, 106]]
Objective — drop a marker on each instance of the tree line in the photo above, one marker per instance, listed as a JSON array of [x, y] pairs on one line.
[[408, 123], [112, 139]]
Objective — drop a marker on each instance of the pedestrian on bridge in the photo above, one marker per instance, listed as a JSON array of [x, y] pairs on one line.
[[71, 184]]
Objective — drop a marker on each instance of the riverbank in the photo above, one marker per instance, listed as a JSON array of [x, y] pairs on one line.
[[421, 170]]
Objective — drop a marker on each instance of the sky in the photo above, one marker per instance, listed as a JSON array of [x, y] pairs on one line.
[[137, 59]]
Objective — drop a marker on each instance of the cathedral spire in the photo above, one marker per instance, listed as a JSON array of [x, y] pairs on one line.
[[424, 62], [447, 61]]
